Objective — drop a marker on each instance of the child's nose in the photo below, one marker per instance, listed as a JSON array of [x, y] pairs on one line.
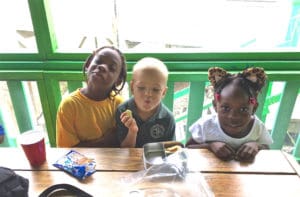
[[102, 67], [234, 114], [148, 91]]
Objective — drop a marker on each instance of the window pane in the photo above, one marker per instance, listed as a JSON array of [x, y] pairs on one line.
[[177, 25], [17, 33], [208, 25], [85, 24]]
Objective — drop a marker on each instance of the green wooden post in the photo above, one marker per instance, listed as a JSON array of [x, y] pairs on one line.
[[284, 113], [195, 104], [43, 27], [129, 78], [169, 98], [261, 103], [267, 103], [46, 112], [20, 105], [54, 98]]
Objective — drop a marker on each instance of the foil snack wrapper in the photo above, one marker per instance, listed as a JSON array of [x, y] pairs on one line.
[[76, 164]]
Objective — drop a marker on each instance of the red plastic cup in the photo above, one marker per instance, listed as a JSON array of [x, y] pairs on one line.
[[33, 144]]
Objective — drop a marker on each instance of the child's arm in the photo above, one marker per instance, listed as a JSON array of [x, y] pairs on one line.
[[220, 149], [65, 130], [193, 144], [130, 139]]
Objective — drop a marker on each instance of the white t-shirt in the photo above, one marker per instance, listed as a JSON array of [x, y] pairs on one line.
[[208, 129]]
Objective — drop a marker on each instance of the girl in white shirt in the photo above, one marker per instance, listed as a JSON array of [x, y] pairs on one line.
[[234, 132]]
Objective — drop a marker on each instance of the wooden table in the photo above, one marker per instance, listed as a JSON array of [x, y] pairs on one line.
[[273, 172]]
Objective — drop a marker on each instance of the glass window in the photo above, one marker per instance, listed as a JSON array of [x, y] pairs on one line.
[[178, 26], [17, 35], [207, 25], [83, 25]]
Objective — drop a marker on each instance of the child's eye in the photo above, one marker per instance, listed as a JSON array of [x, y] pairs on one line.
[[141, 88], [156, 90], [112, 68], [225, 108], [244, 109]]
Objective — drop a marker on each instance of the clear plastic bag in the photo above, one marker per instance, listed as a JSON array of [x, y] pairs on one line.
[[169, 179]]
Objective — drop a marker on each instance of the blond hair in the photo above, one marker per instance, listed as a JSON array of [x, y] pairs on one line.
[[151, 63]]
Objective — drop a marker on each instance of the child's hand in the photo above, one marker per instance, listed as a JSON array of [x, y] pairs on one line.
[[247, 151], [129, 121], [222, 150]]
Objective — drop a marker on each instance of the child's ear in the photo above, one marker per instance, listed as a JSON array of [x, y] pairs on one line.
[[215, 74], [164, 91]]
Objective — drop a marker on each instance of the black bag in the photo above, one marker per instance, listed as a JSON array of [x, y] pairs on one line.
[[67, 189], [12, 184]]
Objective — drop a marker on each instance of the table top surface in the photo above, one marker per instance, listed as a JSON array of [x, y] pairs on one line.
[[272, 173], [131, 159], [220, 184]]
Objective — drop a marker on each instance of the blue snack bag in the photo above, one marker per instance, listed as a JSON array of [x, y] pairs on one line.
[[76, 164]]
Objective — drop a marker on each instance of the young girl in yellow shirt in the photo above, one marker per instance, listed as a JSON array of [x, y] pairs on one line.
[[86, 118]]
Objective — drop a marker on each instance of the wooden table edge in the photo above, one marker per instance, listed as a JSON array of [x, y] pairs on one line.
[[292, 162]]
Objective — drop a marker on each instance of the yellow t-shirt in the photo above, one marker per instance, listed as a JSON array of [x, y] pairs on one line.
[[81, 119]]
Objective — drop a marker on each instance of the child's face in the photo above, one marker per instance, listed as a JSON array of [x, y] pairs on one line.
[[234, 111], [105, 68], [148, 88]]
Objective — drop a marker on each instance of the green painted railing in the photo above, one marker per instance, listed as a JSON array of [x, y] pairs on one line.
[[48, 83]]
